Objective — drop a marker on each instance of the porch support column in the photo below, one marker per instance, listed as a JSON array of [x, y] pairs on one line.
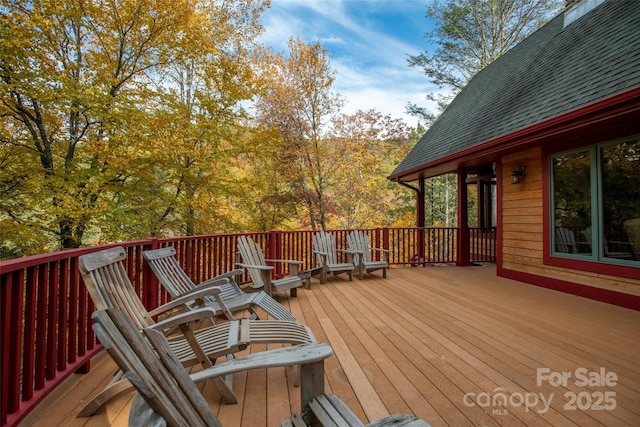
[[463, 241], [420, 219], [420, 213]]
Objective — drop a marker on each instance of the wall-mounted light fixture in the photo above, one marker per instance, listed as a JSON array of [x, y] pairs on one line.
[[517, 175]]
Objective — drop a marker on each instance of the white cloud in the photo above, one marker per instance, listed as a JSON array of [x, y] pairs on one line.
[[370, 61], [331, 40]]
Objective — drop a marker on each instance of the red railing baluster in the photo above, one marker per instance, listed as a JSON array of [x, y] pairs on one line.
[[52, 320], [5, 316], [41, 326], [72, 345], [63, 302], [28, 356]]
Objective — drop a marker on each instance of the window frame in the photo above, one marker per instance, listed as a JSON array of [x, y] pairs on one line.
[[596, 261]]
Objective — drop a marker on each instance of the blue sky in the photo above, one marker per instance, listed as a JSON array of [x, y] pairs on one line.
[[369, 41]]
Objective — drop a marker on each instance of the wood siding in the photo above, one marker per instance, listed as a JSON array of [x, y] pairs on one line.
[[522, 229]]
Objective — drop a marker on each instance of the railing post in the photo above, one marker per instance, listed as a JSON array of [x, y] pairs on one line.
[[385, 240], [421, 240], [11, 334]]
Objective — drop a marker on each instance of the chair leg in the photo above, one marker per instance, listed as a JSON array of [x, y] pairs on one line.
[[295, 375], [225, 389], [115, 389], [254, 314], [311, 381], [266, 280]]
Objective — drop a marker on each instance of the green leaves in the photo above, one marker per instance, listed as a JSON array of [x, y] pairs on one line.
[[469, 35]]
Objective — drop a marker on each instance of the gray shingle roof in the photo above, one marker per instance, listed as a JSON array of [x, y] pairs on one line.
[[553, 71]]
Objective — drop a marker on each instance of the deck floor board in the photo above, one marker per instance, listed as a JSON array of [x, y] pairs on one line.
[[419, 342]]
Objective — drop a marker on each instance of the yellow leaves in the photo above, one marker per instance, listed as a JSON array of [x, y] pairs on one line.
[[336, 165], [124, 107]]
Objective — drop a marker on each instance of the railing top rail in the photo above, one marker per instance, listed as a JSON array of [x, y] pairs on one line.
[[7, 266], [10, 265]]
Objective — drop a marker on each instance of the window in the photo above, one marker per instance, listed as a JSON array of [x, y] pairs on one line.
[[595, 206]]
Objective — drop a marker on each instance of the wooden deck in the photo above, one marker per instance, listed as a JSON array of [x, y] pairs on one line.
[[445, 343]]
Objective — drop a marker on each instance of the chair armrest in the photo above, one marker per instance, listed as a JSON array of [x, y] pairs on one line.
[[184, 318], [285, 261], [259, 267], [300, 354], [380, 250], [319, 258], [184, 299], [349, 251], [384, 254], [615, 242], [294, 265], [222, 277]]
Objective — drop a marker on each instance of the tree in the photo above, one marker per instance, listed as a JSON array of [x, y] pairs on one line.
[[262, 197], [96, 139], [441, 200], [299, 101], [199, 116], [361, 196], [469, 35], [70, 73]]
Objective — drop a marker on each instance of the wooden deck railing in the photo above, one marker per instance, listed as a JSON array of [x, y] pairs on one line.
[[45, 330]]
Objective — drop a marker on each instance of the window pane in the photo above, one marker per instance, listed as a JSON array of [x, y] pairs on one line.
[[621, 200], [572, 202]]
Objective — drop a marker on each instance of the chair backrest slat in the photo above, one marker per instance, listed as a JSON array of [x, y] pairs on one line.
[[325, 242], [358, 241], [166, 268], [173, 278], [251, 253], [106, 279], [565, 240]]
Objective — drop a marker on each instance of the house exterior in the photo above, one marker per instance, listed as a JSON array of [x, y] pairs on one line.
[[548, 135]]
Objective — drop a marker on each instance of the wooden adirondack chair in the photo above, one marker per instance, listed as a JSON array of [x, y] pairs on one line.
[[106, 279], [252, 259], [358, 242], [326, 256], [167, 395], [612, 249], [565, 240], [166, 268], [632, 228]]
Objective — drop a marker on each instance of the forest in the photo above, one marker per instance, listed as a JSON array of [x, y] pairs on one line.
[[127, 119]]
